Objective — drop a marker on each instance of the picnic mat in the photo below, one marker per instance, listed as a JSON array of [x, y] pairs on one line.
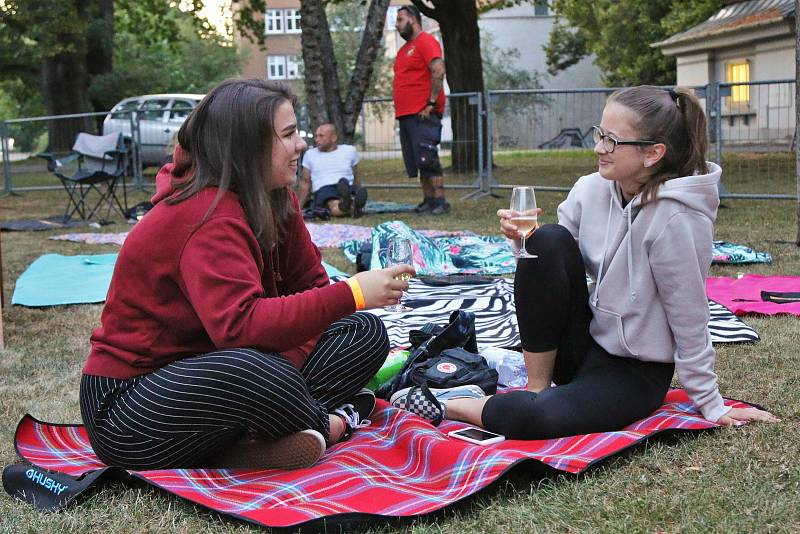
[[496, 318], [400, 466], [466, 252], [48, 223], [380, 206], [725, 252], [93, 238], [337, 235], [53, 279], [323, 235], [743, 295]]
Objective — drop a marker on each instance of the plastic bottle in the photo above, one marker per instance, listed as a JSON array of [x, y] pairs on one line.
[[391, 367], [510, 366]]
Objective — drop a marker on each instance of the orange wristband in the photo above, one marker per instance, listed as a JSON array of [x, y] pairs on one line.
[[358, 295]]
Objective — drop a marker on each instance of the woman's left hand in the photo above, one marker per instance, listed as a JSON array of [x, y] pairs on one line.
[[740, 416]]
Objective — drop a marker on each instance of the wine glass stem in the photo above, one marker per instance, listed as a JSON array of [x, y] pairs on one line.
[[523, 250]]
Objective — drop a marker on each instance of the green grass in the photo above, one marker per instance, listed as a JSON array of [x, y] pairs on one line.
[[739, 480]]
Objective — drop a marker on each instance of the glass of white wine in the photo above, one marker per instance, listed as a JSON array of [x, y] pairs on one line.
[[398, 252], [524, 215]]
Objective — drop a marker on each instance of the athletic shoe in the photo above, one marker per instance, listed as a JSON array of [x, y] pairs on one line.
[[424, 207], [355, 413], [359, 201], [343, 190], [441, 209], [301, 449], [433, 406]]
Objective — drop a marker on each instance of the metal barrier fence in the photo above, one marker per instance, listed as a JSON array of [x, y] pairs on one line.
[[494, 140], [751, 134], [462, 150]]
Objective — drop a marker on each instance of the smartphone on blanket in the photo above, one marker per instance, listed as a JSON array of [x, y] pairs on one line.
[[478, 436]]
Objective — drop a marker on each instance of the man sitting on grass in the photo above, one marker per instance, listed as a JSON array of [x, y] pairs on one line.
[[330, 171]]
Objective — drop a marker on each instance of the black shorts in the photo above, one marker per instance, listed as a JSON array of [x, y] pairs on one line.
[[326, 193], [419, 139]]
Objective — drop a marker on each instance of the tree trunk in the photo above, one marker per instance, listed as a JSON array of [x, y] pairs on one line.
[[100, 46], [66, 74], [797, 108], [458, 21], [321, 79], [365, 62], [66, 92]]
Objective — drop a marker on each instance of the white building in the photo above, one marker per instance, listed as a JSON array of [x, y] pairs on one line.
[[527, 27], [746, 41]]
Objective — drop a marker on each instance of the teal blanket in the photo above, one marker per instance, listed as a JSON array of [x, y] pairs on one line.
[[54, 279], [466, 254]]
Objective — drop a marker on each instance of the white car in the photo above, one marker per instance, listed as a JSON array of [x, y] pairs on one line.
[[159, 118]]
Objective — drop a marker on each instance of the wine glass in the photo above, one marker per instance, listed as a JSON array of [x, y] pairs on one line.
[[524, 217], [398, 252]]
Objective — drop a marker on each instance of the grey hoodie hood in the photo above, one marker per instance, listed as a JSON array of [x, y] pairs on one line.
[[649, 264], [698, 193]]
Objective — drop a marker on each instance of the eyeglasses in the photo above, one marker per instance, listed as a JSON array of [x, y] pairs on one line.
[[610, 141]]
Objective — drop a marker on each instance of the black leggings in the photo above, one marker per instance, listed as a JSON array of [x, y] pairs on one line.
[[596, 391], [183, 413]]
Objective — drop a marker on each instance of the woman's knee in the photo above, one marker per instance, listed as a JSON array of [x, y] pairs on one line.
[[549, 239], [527, 415]]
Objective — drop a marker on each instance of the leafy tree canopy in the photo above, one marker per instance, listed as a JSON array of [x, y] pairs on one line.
[[157, 47], [619, 34], [188, 62]]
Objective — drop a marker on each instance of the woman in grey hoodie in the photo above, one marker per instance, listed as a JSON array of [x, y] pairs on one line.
[[641, 229]]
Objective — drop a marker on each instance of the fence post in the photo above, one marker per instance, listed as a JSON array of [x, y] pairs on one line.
[[721, 189], [135, 144], [6, 156], [363, 120], [490, 142], [718, 123], [480, 114]]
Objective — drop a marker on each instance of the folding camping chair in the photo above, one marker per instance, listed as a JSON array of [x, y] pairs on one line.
[[101, 162]]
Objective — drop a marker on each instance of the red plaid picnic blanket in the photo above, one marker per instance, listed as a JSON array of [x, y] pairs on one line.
[[400, 466]]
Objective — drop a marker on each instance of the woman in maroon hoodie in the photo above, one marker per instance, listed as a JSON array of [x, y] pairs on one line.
[[223, 342]]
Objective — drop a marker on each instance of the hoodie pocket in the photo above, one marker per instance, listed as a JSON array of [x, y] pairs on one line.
[[607, 327]]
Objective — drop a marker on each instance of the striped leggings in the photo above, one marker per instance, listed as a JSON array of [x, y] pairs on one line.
[[183, 413]]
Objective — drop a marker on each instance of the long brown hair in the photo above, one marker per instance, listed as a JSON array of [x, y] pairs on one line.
[[228, 137], [675, 118]]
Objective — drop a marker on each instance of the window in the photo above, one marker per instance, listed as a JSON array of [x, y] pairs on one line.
[[283, 67], [540, 8], [292, 20], [126, 107], [276, 67], [153, 110], [391, 17], [180, 110], [739, 72], [273, 21], [292, 67]]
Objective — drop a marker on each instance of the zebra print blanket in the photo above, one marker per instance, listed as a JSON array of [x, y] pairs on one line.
[[495, 317]]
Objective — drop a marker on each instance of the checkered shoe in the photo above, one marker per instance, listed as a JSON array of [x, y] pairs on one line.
[[430, 404]]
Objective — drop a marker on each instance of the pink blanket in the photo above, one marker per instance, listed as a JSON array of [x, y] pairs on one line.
[[743, 295]]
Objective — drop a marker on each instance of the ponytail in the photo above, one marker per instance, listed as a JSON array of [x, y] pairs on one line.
[[675, 118]]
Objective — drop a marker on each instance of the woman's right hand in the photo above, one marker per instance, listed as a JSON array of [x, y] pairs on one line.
[[507, 228], [380, 288]]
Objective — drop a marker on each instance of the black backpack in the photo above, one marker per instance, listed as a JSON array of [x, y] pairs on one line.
[[444, 357]]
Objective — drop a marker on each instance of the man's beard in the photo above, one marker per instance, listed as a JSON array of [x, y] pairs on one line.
[[406, 31]]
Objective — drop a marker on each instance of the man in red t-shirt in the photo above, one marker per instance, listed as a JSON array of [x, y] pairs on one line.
[[419, 105]]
